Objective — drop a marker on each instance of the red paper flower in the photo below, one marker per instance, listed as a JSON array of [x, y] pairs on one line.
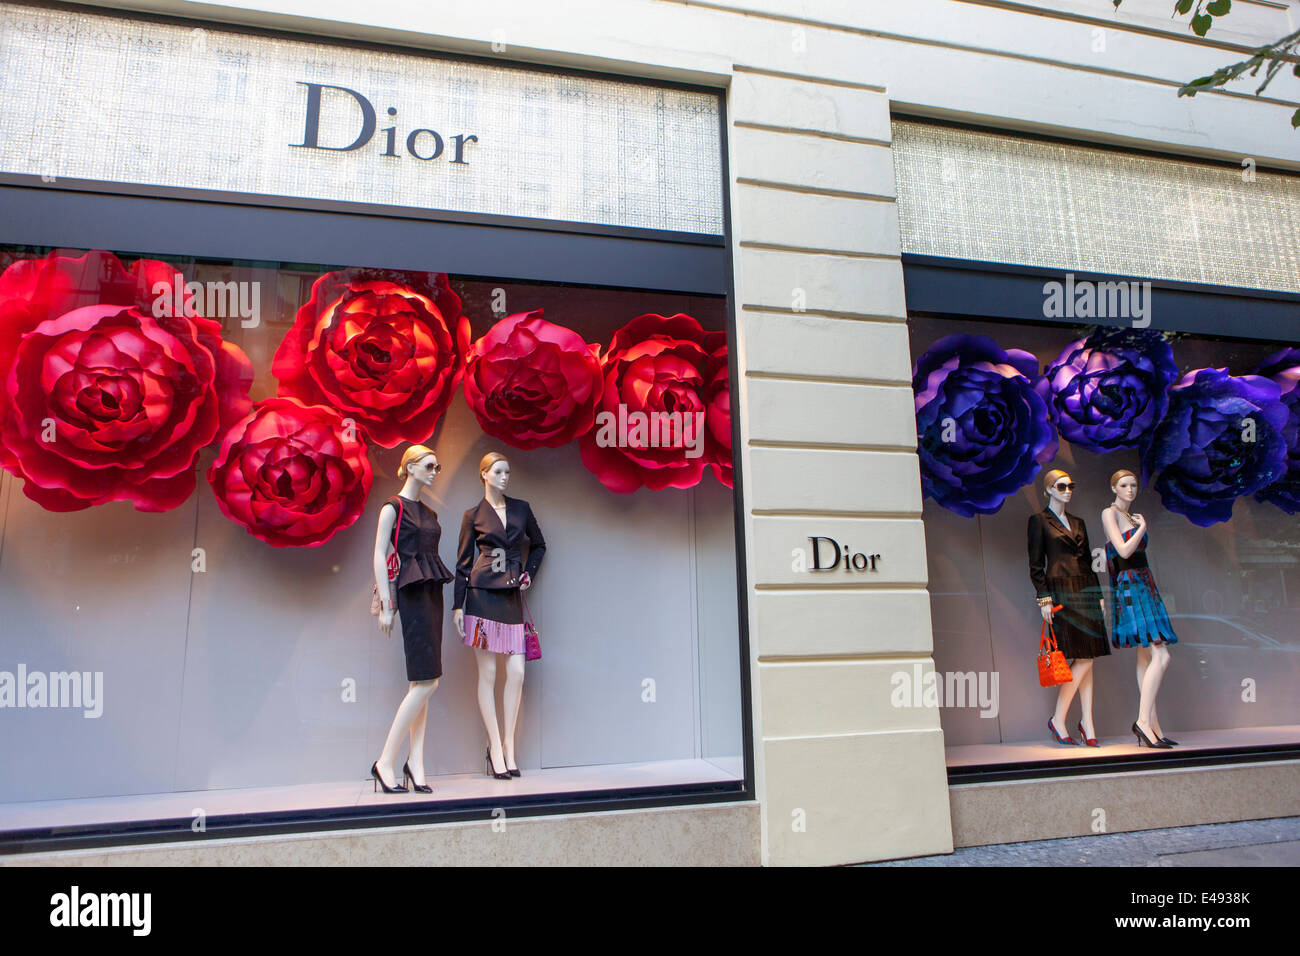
[[718, 416], [104, 394], [292, 474], [661, 385], [386, 354], [532, 383]]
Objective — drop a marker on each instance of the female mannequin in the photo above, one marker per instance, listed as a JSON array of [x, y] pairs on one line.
[[490, 574], [1138, 616], [1060, 567], [419, 584]]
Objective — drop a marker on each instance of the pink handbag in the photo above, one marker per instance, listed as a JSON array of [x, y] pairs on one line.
[[532, 643], [394, 565]]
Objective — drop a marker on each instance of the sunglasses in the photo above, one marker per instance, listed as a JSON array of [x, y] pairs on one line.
[[1065, 486]]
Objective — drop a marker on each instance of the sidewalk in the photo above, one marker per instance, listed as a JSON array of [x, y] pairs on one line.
[[1252, 843]]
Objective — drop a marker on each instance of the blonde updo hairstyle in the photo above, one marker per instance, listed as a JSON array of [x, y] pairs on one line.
[[1052, 477], [411, 456], [490, 459], [1122, 473]]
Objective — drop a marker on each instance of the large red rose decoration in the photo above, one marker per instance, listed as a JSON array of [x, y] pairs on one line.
[[292, 474], [532, 383], [101, 398], [661, 385], [387, 354], [718, 416]]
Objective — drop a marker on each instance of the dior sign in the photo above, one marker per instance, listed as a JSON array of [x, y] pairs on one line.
[[422, 143]]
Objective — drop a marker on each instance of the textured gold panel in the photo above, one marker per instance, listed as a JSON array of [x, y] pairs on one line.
[[1002, 198], [93, 96]]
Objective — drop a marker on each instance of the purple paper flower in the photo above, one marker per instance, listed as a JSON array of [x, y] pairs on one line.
[[982, 431], [1109, 391], [1222, 438], [1283, 370]]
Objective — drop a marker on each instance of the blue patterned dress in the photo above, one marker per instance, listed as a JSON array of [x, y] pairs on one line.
[[1138, 615]]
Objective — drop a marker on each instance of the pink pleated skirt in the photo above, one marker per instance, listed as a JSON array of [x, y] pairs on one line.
[[494, 636]]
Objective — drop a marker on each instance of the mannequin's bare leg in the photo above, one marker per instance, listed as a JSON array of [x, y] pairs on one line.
[[1083, 670], [1155, 673], [514, 696], [1065, 694], [415, 705], [416, 761], [487, 702]]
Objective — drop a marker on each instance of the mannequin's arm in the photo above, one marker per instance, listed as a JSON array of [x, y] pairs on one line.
[[379, 566], [1037, 547], [1123, 548], [464, 559], [536, 545]]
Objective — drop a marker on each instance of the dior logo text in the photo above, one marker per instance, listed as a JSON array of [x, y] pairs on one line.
[[57, 689], [829, 556], [422, 143], [75, 908]]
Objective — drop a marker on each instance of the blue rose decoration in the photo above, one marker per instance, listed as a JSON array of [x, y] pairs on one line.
[[1222, 438], [982, 431], [1109, 390], [1283, 370]]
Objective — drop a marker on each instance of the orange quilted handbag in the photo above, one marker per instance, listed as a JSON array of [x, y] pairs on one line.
[[1052, 668]]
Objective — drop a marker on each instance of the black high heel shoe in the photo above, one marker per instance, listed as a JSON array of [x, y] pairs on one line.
[[1144, 739], [379, 781], [491, 770], [1166, 740], [513, 771], [408, 779]]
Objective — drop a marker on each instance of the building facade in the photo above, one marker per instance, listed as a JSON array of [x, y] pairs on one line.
[[834, 188]]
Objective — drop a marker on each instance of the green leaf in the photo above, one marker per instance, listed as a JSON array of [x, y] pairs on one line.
[[1182, 6], [1295, 119], [1218, 7], [1201, 24]]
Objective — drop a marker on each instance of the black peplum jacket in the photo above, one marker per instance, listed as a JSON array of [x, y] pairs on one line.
[[1055, 553], [490, 556]]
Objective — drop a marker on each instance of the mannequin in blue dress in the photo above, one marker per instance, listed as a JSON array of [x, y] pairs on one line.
[[1138, 617]]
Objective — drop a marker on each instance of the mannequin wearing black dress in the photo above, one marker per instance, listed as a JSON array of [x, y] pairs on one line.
[[1060, 567], [420, 581]]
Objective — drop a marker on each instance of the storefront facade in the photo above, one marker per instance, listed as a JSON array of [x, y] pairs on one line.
[[771, 172]]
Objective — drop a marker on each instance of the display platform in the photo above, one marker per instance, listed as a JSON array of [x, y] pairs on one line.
[[447, 788], [978, 755]]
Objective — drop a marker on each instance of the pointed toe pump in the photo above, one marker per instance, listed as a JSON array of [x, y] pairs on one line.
[[1059, 738], [491, 770], [379, 781], [409, 779], [1090, 741], [1144, 739]]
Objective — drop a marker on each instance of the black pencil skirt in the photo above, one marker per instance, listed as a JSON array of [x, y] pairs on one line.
[[419, 605]]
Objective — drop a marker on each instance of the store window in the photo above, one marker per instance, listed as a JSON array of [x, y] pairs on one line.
[[196, 455], [1189, 440]]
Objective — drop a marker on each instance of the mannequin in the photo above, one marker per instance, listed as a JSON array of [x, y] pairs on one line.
[[1139, 618], [420, 581], [490, 576], [1060, 567]]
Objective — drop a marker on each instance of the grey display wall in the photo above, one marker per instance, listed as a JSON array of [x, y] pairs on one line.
[[266, 668], [1232, 590]]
